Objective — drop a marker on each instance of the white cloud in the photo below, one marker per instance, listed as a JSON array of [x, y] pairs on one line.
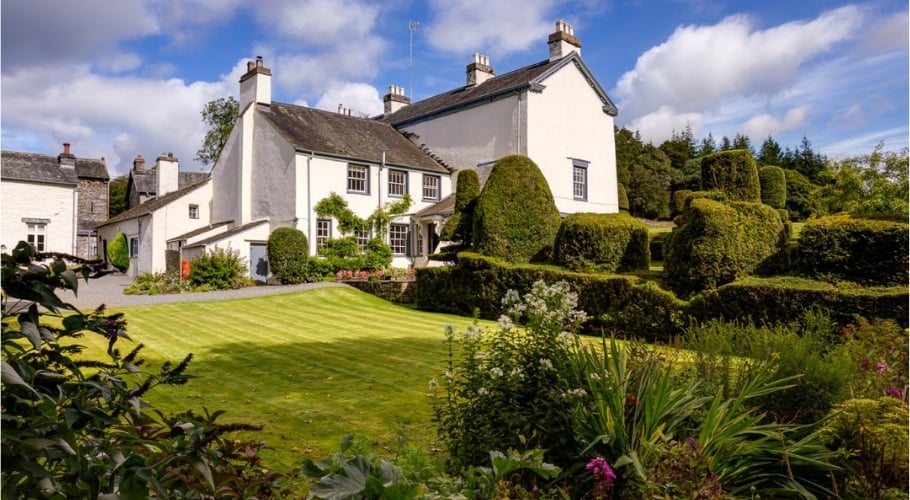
[[765, 124], [308, 74], [888, 33], [361, 98], [319, 22], [660, 124], [700, 66], [492, 28]]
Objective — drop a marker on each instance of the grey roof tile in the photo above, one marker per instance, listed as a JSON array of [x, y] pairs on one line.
[[151, 205], [35, 167]]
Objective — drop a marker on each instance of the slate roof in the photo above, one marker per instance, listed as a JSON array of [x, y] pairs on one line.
[[147, 182], [151, 205], [228, 233], [198, 231], [528, 77], [343, 136], [444, 208], [36, 167]]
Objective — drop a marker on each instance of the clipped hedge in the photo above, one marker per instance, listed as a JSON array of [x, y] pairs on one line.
[[703, 195], [602, 242], [118, 252], [515, 217], [459, 226], [656, 246], [288, 250], [624, 305], [678, 201], [623, 198], [860, 250], [773, 186], [785, 299], [717, 244], [733, 172]]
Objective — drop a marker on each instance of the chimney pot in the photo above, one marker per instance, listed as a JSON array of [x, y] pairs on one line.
[[479, 71], [563, 41], [66, 148]]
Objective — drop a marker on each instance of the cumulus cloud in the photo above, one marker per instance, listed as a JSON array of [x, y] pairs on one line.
[[660, 124], [493, 28], [319, 22], [361, 98], [699, 67], [765, 124]]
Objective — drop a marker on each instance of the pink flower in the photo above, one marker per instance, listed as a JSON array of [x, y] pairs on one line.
[[894, 392], [881, 367], [602, 471]]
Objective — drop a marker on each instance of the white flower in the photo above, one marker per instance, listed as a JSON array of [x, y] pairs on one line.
[[483, 391], [546, 364], [496, 372], [449, 374], [505, 323], [434, 384], [579, 393]]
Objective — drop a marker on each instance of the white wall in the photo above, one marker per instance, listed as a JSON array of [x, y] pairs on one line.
[[475, 135], [226, 178], [567, 121], [273, 177], [38, 201]]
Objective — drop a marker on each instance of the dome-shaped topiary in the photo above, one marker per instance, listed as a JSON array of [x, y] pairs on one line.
[[460, 225], [732, 172], [773, 186], [515, 218], [118, 252], [288, 250]]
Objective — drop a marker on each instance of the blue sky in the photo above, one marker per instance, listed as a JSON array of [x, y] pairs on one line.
[[117, 79]]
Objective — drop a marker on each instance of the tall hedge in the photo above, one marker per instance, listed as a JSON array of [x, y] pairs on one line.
[[719, 243], [602, 242], [459, 227], [860, 250], [734, 172], [623, 198], [118, 252], [515, 217], [678, 201], [288, 250], [773, 186]]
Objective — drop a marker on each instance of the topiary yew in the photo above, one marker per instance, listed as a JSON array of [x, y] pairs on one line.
[[602, 242], [118, 252], [773, 186], [459, 226], [288, 250], [733, 172], [623, 198], [515, 218]]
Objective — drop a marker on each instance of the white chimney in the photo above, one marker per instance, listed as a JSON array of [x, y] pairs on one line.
[[479, 71], [255, 84], [563, 41], [166, 170], [395, 99]]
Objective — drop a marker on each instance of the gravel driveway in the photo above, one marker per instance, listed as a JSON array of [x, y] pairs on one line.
[[109, 290]]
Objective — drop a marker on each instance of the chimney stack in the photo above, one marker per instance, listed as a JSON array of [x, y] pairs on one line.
[[139, 165], [563, 41], [395, 99], [66, 159], [255, 84], [167, 174], [479, 71]]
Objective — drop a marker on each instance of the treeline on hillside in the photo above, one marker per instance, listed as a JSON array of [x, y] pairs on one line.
[[874, 184]]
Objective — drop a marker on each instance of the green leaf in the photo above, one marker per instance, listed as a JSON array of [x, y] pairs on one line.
[[30, 331], [347, 483], [10, 377], [71, 279]]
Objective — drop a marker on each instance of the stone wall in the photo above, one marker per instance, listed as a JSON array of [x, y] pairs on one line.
[[93, 200], [399, 292]]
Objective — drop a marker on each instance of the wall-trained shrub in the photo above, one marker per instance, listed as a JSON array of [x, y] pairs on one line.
[[733, 172], [459, 227], [602, 242], [118, 252], [773, 186], [288, 250], [860, 250], [515, 217], [718, 243]]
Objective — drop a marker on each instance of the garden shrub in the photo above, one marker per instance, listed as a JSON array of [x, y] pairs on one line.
[[773, 186], [288, 250], [118, 252], [656, 245], [343, 254], [718, 243], [877, 350], [802, 202], [459, 226], [158, 283], [678, 201], [219, 269], [786, 299], [515, 217], [732, 172], [872, 252], [699, 195], [602, 242], [873, 439], [623, 198]]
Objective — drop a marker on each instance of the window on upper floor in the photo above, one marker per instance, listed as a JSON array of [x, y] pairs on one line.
[[430, 187], [398, 183], [194, 211], [398, 238], [37, 236], [580, 180], [358, 179], [323, 232]]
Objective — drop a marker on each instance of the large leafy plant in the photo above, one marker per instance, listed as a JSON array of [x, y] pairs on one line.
[[78, 427]]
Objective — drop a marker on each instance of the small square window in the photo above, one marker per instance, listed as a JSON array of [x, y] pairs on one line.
[[430, 187], [194, 211], [359, 179], [398, 183]]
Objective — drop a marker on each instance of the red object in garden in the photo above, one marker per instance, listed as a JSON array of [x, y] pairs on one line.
[[184, 269]]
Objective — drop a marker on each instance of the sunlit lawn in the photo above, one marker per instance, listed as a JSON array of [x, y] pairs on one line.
[[310, 367]]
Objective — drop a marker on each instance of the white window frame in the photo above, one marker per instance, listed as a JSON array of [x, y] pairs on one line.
[[398, 238], [358, 178], [36, 235], [580, 180], [194, 211], [134, 247], [323, 232], [431, 187], [363, 238], [400, 185]]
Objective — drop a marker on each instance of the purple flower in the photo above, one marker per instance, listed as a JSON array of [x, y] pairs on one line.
[[865, 363], [894, 392], [881, 367], [601, 470]]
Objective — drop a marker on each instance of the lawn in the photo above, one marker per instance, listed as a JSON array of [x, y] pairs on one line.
[[310, 367]]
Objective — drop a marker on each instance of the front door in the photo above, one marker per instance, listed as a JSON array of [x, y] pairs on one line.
[[259, 263]]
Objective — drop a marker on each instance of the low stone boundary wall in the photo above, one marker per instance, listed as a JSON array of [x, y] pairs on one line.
[[397, 291]]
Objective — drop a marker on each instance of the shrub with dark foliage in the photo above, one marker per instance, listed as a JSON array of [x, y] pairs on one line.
[[459, 227], [288, 251], [733, 172], [773, 186], [515, 218], [602, 242], [623, 198]]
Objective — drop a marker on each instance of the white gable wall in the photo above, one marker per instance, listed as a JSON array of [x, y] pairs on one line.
[[475, 135], [54, 203], [567, 121], [272, 177], [226, 179]]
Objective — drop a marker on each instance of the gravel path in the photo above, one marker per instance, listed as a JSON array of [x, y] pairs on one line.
[[108, 290]]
